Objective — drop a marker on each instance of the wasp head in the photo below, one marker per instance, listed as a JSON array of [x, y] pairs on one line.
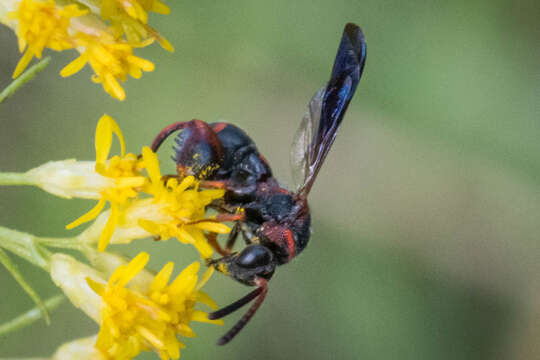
[[255, 261]]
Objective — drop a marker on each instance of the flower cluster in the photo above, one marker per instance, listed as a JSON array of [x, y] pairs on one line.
[[142, 204], [136, 310], [104, 32]]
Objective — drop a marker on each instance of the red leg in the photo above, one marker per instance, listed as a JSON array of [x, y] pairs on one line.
[[212, 240], [222, 217], [214, 184]]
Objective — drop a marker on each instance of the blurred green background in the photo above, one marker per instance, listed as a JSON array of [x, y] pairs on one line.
[[426, 215]]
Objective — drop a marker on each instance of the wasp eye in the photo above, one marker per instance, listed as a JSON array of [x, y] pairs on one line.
[[254, 256]]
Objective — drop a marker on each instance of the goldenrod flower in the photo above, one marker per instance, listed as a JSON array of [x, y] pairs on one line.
[[183, 205], [136, 311], [133, 322], [130, 18], [142, 204], [111, 61], [123, 173], [42, 24], [104, 32], [175, 210]]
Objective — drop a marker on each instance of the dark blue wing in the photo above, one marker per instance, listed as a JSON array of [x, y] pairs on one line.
[[327, 108]]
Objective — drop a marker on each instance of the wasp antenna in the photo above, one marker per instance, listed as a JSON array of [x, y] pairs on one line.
[[247, 316], [235, 305], [166, 132]]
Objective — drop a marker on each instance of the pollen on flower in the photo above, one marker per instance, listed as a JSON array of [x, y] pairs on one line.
[[135, 321], [42, 24], [144, 205], [185, 204]]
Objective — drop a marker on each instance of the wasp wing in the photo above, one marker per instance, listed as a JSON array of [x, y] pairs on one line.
[[326, 109], [303, 139]]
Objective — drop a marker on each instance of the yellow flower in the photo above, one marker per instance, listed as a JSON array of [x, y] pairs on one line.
[[130, 18], [174, 210], [42, 24], [134, 321], [106, 43], [184, 206], [123, 170], [112, 60]]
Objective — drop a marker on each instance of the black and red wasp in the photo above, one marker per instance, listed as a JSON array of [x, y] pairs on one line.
[[275, 222]]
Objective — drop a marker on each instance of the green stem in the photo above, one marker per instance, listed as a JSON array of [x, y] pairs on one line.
[[30, 316], [14, 271], [24, 78], [7, 178], [61, 243], [23, 245]]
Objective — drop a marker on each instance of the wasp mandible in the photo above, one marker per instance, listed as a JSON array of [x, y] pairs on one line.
[[275, 222]]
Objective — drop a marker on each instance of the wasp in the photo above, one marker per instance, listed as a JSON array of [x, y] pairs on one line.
[[274, 222]]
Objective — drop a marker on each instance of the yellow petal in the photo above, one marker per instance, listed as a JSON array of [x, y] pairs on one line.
[[165, 44], [112, 86], [206, 276], [23, 63], [133, 268], [108, 230], [205, 299], [106, 127], [160, 8], [97, 287], [93, 213], [162, 278], [151, 164], [213, 227], [141, 63], [75, 66]]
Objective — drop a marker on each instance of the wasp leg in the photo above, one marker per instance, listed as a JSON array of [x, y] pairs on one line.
[[221, 207], [230, 217], [214, 184], [233, 235], [212, 241], [259, 294]]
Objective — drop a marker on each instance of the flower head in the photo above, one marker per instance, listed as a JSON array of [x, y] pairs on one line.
[[134, 321], [137, 310], [123, 175], [42, 24], [105, 33], [183, 205], [111, 60]]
